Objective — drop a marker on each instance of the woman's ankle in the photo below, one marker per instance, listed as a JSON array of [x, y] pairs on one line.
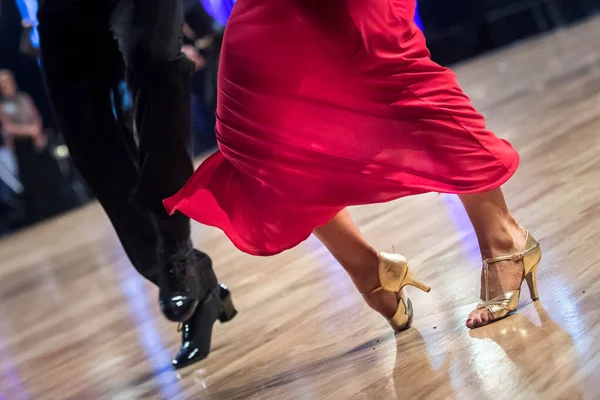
[[507, 238], [364, 272]]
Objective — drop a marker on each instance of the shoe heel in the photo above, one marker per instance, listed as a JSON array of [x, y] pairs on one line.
[[531, 280], [412, 280], [228, 311]]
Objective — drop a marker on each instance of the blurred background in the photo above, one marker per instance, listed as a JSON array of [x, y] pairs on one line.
[[38, 180]]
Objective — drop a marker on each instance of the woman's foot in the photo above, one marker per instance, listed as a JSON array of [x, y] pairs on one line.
[[388, 296], [380, 277], [384, 302], [502, 276]]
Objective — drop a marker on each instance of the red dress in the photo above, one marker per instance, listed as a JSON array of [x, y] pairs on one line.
[[329, 104]]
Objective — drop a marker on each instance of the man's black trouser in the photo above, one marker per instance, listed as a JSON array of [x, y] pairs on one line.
[[83, 45]]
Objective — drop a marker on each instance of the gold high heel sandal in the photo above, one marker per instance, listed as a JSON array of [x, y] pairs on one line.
[[394, 275], [506, 304]]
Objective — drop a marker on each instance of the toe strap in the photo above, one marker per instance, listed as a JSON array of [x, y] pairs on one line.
[[502, 305]]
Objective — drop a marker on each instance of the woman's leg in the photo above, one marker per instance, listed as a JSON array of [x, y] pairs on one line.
[[498, 234], [345, 242]]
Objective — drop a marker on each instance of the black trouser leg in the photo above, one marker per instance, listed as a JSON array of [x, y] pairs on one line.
[[80, 77], [149, 37], [81, 65]]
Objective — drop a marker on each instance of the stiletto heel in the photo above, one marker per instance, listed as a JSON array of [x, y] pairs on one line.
[[394, 275], [531, 280], [506, 304], [228, 311], [412, 280]]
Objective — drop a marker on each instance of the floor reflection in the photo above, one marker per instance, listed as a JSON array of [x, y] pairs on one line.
[[545, 354], [414, 374], [163, 377]]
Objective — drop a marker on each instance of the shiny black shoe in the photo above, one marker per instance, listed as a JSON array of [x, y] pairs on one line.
[[197, 331], [180, 289]]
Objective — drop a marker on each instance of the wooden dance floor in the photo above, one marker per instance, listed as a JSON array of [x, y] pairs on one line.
[[77, 322]]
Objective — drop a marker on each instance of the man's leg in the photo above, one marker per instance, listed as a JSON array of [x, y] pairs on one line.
[[149, 35], [82, 64], [158, 76]]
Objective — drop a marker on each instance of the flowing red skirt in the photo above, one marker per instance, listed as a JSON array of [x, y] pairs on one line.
[[329, 104]]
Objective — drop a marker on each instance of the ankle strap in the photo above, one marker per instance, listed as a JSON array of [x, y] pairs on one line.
[[513, 257], [372, 291]]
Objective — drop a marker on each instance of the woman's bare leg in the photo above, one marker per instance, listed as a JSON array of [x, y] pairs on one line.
[[345, 242], [498, 234]]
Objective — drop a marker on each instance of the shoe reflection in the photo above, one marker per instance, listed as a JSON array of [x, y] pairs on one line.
[[544, 353], [415, 376]]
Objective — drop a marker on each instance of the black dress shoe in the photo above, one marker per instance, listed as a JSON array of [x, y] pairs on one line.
[[180, 289], [197, 331]]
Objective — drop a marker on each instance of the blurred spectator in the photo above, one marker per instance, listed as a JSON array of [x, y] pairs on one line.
[[194, 56], [19, 116], [203, 120], [201, 34], [202, 38], [26, 46], [10, 187], [45, 191]]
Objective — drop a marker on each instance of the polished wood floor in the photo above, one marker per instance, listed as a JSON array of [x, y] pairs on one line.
[[77, 322]]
